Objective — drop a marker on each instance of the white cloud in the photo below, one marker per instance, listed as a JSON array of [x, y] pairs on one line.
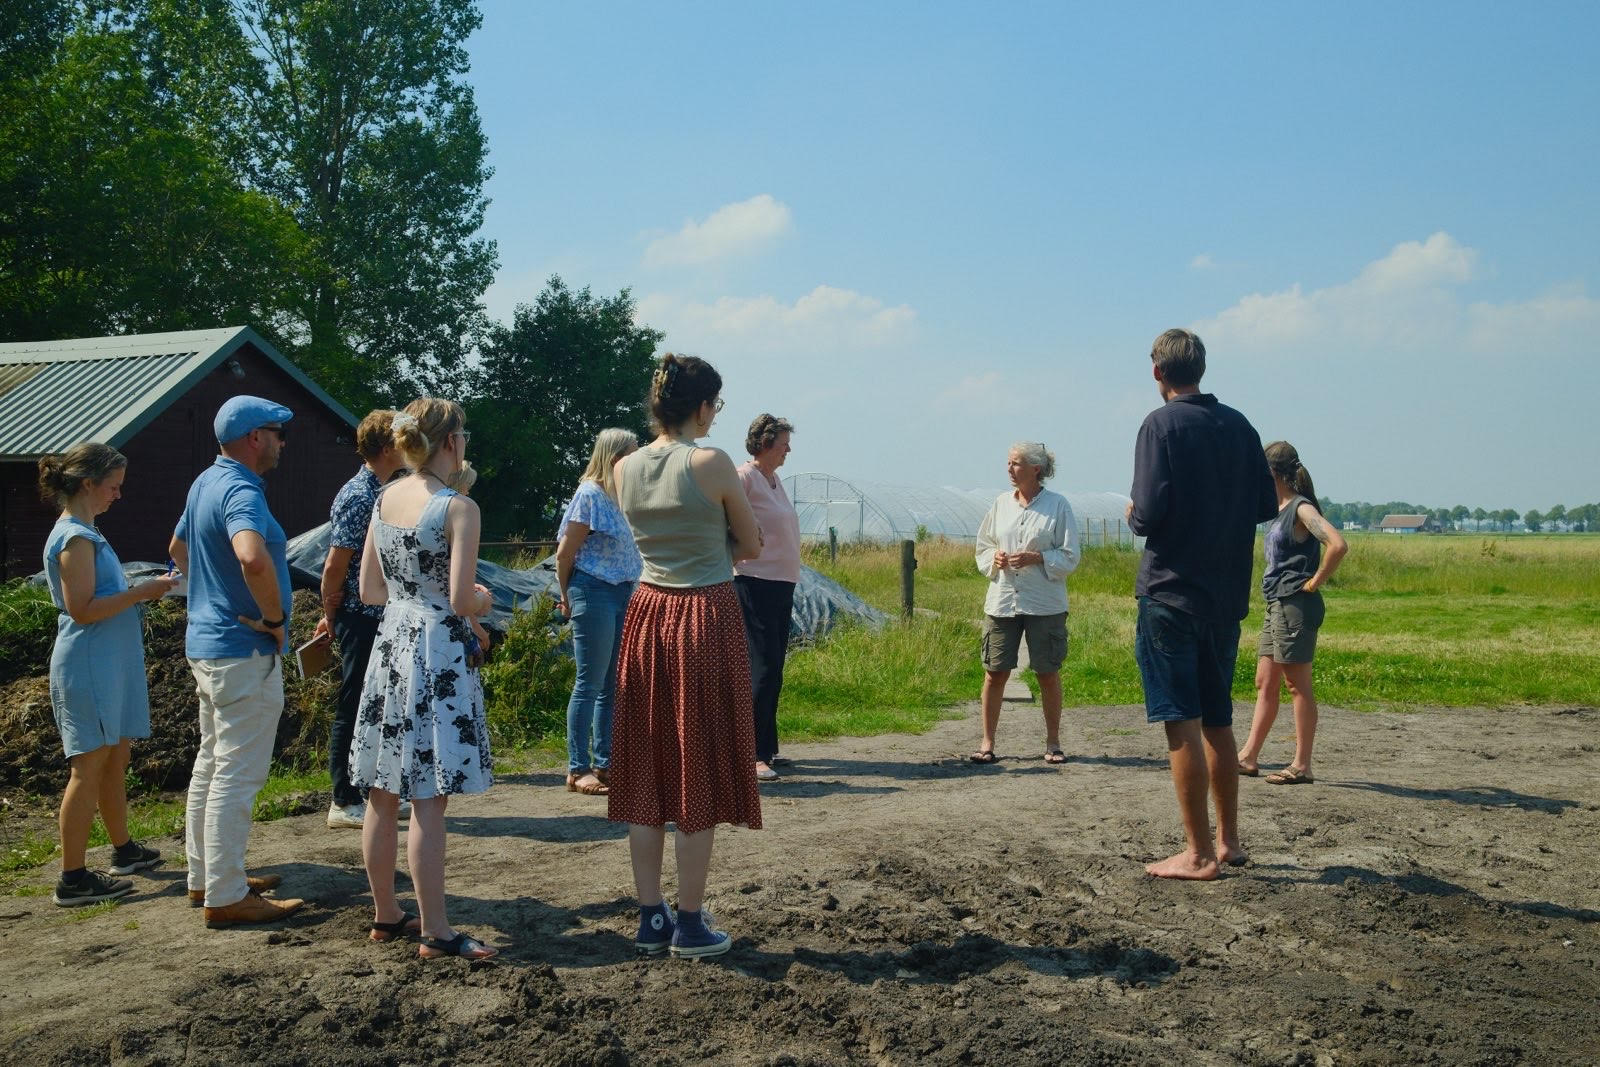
[[1561, 322], [727, 231], [824, 316], [1202, 262], [1407, 300]]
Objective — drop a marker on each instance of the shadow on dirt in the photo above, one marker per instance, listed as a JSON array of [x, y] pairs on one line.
[[1480, 796]]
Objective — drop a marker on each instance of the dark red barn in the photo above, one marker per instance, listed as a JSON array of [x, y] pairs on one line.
[[153, 397]]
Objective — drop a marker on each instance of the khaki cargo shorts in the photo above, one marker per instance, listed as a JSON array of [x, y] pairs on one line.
[[1047, 641], [1289, 629]]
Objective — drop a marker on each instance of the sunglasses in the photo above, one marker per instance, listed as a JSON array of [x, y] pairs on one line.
[[281, 431]]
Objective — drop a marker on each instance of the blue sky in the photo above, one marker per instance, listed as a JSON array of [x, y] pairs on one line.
[[923, 231]]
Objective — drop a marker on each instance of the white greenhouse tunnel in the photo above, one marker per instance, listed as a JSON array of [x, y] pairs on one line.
[[873, 511]]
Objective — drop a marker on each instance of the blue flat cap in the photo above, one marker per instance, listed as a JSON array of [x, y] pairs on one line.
[[241, 414]]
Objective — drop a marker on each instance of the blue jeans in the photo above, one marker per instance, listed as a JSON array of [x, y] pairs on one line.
[[598, 609]]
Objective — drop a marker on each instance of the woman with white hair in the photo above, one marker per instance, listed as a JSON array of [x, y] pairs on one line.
[[1027, 545], [597, 567]]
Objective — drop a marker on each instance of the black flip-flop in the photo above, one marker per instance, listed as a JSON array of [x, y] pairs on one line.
[[390, 931], [984, 757], [464, 945], [1055, 757]]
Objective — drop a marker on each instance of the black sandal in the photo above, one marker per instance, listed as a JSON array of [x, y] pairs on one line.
[[463, 945], [390, 931], [983, 757]]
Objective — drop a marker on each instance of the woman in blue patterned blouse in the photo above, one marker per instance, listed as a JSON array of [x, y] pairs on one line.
[[597, 566]]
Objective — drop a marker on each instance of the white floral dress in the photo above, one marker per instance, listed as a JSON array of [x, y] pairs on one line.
[[420, 731]]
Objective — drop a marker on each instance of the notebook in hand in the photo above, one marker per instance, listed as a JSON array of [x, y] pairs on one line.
[[315, 656]]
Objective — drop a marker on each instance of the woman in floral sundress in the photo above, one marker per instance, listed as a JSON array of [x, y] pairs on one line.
[[420, 732]]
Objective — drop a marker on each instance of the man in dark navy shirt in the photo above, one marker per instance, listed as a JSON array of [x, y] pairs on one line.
[[1200, 486]]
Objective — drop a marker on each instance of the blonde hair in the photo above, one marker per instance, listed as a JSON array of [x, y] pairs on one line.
[[421, 428], [610, 445], [63, 477]]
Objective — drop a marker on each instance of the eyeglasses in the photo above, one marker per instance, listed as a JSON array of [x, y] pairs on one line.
[[281, 431], [716, 408], [466, 435]]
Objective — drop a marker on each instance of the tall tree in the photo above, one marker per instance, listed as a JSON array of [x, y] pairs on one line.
[[1556, 515], [568, 366], [1478, 515], [357, 116], [1533, 520], [117, 210]]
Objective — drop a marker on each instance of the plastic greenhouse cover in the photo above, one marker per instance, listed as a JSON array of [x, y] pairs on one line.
[[873, 511]]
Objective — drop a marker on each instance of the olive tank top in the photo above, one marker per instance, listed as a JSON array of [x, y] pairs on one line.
[[682, 535]]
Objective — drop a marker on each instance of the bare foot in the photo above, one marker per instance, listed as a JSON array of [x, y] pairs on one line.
[[1185, 865], [1232, 854]]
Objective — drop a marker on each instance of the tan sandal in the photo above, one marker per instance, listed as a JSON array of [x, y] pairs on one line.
[[587, 784]]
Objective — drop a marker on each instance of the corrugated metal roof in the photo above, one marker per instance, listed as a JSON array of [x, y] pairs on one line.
[[56, 393], [74, 400]]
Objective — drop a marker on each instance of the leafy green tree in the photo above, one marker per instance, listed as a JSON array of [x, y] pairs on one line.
[[1478, 515], [1556, 515], [1459, 515], [117, 210], [356, 116], [568, 366], [1533, 520]]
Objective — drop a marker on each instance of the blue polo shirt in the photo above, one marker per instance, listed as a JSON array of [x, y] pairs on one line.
[[228, 498]]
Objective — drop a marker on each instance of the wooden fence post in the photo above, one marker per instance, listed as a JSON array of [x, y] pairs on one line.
[[833, 544]]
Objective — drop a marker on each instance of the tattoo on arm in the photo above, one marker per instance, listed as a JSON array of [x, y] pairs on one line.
[[1316, 526]]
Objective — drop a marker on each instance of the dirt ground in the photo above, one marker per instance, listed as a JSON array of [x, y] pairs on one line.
[[1434, 898]]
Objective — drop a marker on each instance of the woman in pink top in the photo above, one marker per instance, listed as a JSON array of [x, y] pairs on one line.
[[766, 584]]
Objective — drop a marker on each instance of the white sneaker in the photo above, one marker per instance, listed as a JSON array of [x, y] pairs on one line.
[[349, 817]]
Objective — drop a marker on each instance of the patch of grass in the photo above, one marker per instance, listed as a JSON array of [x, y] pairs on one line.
[[29, 890], [26, 851], [285, 793], [89, 911], [27, 629]]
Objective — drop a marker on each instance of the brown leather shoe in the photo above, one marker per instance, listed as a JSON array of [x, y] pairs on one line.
[[256, 883], [254, 908]]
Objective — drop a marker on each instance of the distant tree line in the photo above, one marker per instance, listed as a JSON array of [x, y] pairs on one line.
[[1578, 518], [314, 170]]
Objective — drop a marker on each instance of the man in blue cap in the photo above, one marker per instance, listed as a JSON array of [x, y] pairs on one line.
[[234, 553]]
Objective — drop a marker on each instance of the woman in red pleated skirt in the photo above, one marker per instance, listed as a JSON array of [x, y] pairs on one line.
[[683, 742]]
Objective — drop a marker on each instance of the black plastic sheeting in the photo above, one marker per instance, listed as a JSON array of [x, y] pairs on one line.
[[820, 603]]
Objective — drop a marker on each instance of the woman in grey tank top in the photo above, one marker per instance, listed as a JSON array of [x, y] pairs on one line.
[[682, 739], [1303, 549]]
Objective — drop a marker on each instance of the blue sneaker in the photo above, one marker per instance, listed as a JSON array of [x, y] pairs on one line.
[[656, 929], [694, 937]]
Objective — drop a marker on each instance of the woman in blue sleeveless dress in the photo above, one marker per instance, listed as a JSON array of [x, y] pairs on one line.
[[97, 681], [420, 730]]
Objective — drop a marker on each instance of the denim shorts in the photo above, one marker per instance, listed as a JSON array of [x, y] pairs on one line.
[[1186, 663]]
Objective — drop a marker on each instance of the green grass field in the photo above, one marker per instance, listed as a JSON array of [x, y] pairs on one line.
[[1413, 621]]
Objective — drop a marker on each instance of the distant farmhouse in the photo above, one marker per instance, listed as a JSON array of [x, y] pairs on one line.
[[1405, 524], [153, 397]]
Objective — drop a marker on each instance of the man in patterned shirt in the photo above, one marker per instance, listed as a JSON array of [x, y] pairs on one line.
[[353, 623]]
